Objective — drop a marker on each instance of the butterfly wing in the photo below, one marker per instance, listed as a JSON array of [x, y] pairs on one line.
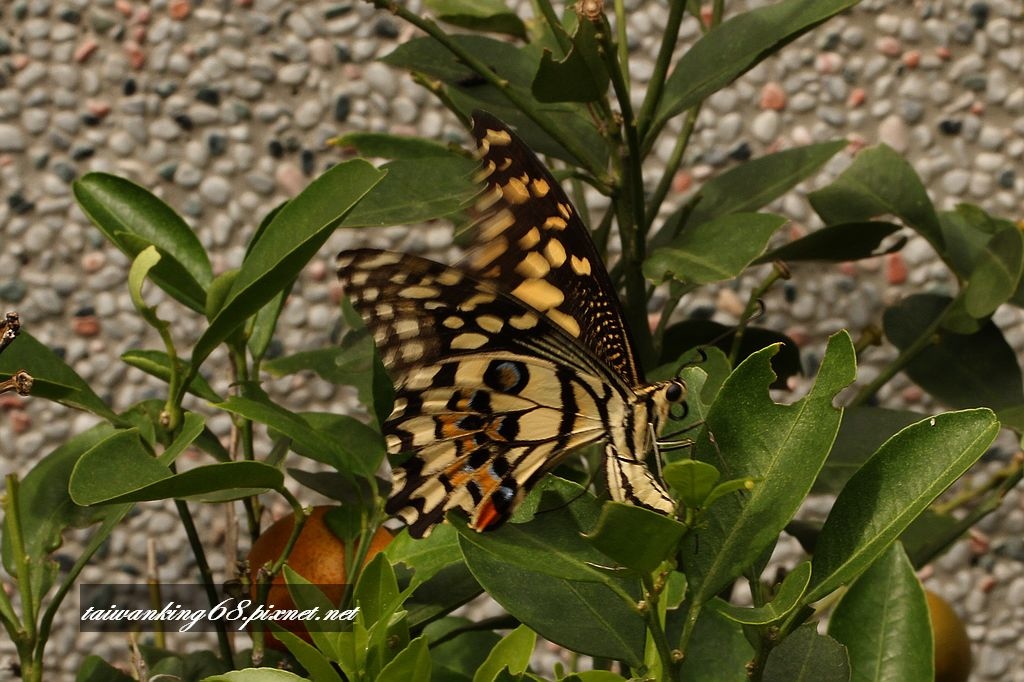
[[534, 243], [487, 397]]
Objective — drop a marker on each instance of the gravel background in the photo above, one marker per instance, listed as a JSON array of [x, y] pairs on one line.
[[223, 108]]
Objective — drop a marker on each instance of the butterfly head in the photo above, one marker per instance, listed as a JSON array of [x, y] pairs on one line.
[[664, 396]]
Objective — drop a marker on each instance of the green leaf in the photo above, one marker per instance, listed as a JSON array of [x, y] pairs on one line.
[[892, 489], [361, 460], [782, 446], [257, 675], [46, 510], [862, 431], [996, 273], [961, 370], [52, 378], [718, 651], [879, 181], [297, 232], [692, 479], [883, 622], [309, 657], [417, 190], [581, 76], [132, 219], [411, 663], [836, 243], [715, 250], [95, 669], [749, 186], [513, 652], [426, 556], [787, 597], [737, 45], [102, 476], [387, 146], [458, 649], [711, 336], [518, 66], [636, 537], [806, 656], [158, 364], [488, 16], [147, 259], [542, 570]]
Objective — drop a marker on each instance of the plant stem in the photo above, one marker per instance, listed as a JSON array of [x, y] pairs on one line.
[[672, 166], [205, 574], [925, 339], [523, 102], [12, 519], [656, 84], [654, 625], [602, 233], [621, 38], [779, 271]]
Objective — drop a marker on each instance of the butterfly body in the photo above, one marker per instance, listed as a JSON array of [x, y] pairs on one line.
[[504, 366]]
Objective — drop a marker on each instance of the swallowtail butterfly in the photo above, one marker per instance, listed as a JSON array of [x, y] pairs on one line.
[[504, 365]]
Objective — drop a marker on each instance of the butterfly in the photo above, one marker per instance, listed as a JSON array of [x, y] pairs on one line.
[[505, 364]]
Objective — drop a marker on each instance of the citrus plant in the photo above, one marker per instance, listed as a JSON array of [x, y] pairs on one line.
[[646, 595]]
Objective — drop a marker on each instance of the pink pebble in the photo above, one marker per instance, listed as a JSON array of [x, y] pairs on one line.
[[86, 326], [290, 178], [828, 62], [943, 53], [889, 46], [856, 98], [93, 261], [20, 421], [911, 59], [682, 181], [773, 96], [895, 269], [83, 51]]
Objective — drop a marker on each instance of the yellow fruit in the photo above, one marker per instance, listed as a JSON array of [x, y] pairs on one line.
[[952, 648], [318, 556]]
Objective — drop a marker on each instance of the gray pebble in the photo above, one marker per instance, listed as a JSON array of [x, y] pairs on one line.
[[1012, 58], [893, 132], [215, 190], [164, 129], [955, 181], [293, 74], [309, 113], [187, 175], [765, 126], [999, 31], [802, 102], [11, 138], [381, 79], [35, 121], [121, 143]]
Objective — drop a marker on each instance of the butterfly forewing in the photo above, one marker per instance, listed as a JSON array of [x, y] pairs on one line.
[[535, 244], [503, 366]]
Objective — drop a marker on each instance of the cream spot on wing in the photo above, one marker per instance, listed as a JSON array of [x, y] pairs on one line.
[[515, 191], [555, 253], [449, 277], [453, 322], [380, 260], [486, 254], [407, 327], [496, 224], [524, 321], [420, 292], [482, 147], [581, 266], [380, 335], [412, 351], [359, 278], [477, 299], [433, 304], [370, 293], [485, 172], [530, 239], [555, 223], [565, 210], [498, 138], [539, 294], [490, 323], [399, 277], [468, 341], [343, 260], [505, 163], [533, 265], [385, 310], [566, 322], [539, 187], [489, 198]]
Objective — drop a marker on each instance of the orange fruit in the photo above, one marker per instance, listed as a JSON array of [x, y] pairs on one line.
[[952, 648], [318, 556]]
